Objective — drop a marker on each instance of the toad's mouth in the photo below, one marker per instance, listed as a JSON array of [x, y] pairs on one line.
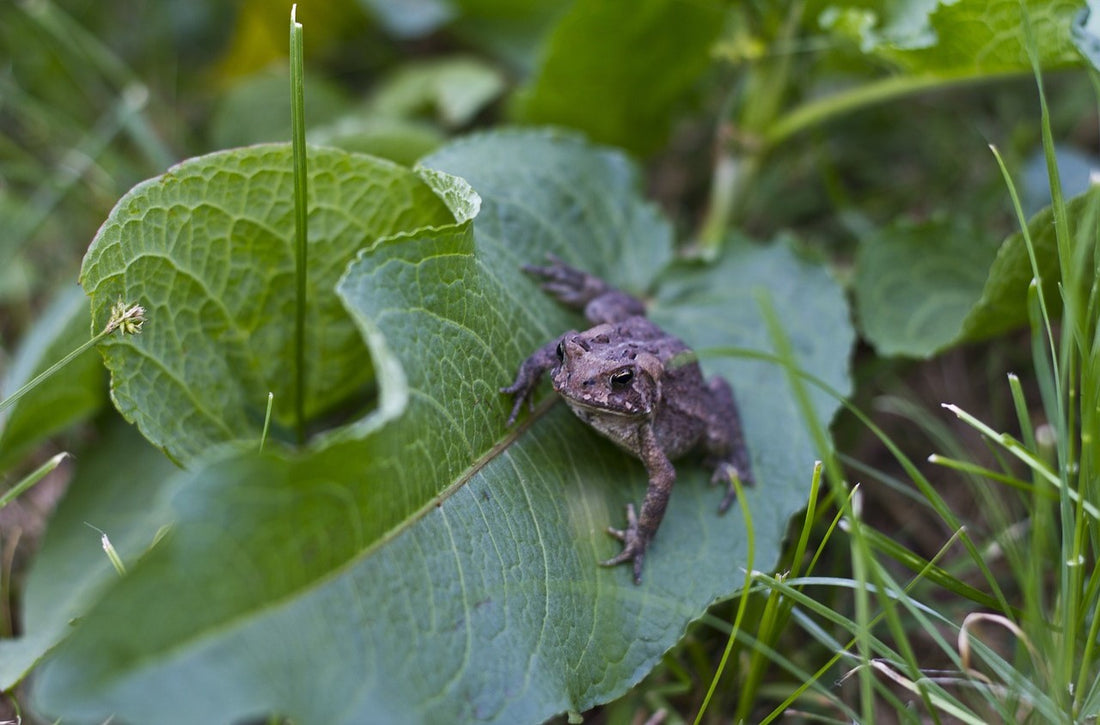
[[590, 406]]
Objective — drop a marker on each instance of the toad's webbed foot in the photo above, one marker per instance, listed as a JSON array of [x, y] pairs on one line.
[[634, 544]]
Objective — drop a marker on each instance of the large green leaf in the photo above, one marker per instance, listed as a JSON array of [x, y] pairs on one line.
[[964, 37], [72, 394], [207, 249], [916, 282], [922, 288], [437, 566], [635, 62], [1003, 303], [113, 490]]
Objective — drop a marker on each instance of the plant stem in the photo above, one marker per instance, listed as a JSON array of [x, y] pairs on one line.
[[731, 176], [739, 154], [735, 168], [821, 110], [129, 319], [38, 379], [297, 114], [742, 604]]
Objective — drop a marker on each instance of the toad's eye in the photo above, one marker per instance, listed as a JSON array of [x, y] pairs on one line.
[[622, 378], [561, 352]]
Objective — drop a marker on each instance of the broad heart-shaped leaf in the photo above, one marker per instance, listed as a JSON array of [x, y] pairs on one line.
[[922, 288], [1003, 304], [111, 491], [915, 283], [636, 62], [441, 567], [207, 249], [962, 37], [72, 394]]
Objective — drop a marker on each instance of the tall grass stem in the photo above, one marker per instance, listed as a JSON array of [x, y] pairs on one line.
[[301, 219], [35, 476]]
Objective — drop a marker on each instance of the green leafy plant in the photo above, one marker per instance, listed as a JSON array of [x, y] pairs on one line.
[[318, 491], [1030, 663], [484, 516]]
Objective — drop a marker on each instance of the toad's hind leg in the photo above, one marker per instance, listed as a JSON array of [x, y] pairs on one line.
[[725, 442], [601, 302]]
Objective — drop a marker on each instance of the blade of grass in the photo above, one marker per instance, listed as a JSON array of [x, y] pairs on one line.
[[807, 521], [919, 611], [1021, 220], [757, 664], [267, 420], [32, 478], [861, 555], [785, 356], [1058, 203], [776, 614], [1027, 430], [941, 577], [301, 219], [109, 550], [926, 489], [1018, 450], [989, 473], [798, 674], [742, 604], [127, 319]]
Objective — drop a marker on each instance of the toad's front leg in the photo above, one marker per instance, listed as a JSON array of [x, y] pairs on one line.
[[529, 373], [639, 531]]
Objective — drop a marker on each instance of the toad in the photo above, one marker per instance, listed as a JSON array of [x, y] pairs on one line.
[[640, 387]]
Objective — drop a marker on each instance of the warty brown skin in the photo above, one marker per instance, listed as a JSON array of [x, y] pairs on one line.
[[641, 388]]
